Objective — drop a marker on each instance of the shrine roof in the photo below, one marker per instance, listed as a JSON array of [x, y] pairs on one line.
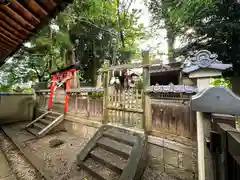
[[20, 19], [203, 59]]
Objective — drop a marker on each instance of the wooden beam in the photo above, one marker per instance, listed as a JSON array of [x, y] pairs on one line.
[[4, 52], [13, 24], [48, 4], [8, 34], [7, 43], [8, 40], [4, 49], [17, 17], [25, 13], [5, 46], [11, 30], [35, 7]]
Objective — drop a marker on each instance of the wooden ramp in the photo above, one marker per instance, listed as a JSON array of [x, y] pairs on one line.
[[44, 123], [114, 153]]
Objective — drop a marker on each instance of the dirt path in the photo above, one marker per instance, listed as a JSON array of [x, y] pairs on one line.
[[19, 164]]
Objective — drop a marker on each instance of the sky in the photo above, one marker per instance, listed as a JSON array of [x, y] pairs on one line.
[[158, 43]]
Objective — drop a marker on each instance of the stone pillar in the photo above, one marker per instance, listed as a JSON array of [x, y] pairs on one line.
[[201, 67], [205, 161], [99, 81]]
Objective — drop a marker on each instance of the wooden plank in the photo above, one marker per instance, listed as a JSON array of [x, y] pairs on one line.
[[40, 117], [8, 41], [53, 124], [4, 48], [15, 16], [48, 4], [11, 30], [25, 13], [14, 24], [12, 36], [36, 8], [6, 45], [130, 110]]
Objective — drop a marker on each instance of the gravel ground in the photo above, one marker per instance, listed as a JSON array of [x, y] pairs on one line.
[[151, 174], [19, 164], [59, 159]]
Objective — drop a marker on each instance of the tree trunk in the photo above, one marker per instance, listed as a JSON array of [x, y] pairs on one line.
[[170, 42], [94, 66], [119, 24]]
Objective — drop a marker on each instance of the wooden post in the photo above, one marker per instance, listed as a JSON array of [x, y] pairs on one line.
[[147, 119], [105, 96], [67, 94], [53, 85]]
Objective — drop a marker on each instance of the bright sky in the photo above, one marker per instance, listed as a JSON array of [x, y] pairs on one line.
[[158, 43]]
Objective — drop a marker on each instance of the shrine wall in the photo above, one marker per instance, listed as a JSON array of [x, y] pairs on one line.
[[16, 107]]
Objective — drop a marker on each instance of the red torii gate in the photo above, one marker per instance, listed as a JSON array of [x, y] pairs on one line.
[[64, 77]]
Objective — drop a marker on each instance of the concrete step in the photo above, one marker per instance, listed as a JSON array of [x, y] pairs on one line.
[[120, 151], [38, 125], [45, 121], [50, 117], [120, 137], [111, 160], [33, 131], [115, 147], [99, 171]]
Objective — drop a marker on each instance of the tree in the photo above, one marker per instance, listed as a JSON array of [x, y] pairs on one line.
[[162, 20], [87, 31]]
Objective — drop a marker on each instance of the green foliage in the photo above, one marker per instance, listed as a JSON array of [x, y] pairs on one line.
[[139, 85], [221, 82], [5, 88], [87, 31], [96, 94], [215, 26]]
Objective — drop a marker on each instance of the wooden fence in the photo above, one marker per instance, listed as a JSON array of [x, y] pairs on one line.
[[172, 115], [125, 107], [225, 148], [87, 107]]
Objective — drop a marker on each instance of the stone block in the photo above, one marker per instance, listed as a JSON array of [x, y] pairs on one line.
[[156, 164], [171, 157], [188, 162], [91, 131], [179, 173], [155, 151]]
